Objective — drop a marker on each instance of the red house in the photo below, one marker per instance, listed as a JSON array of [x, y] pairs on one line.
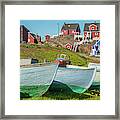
[[32, 38], [23, 34], [92, 31], [68, 46], [47, 38], [70, 29]]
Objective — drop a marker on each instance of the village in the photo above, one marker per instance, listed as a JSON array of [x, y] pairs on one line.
[[69, 37], [77, 54]]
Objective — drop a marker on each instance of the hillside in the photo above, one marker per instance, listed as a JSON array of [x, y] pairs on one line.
[[49, 53], [61, 41]]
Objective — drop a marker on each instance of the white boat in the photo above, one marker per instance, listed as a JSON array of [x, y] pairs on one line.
[[94, 65], [90, 65], [76, 78], [97, 75], [35, 81]]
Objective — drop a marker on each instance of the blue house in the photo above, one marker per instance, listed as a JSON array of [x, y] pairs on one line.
[[96, 49]]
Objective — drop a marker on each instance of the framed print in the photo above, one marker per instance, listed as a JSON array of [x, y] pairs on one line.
[[60, 60]]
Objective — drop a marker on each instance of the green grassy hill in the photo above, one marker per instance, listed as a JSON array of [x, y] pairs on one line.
[[46, 52], [49, 53]]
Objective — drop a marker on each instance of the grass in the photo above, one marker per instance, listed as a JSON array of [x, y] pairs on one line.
[[59, 91], [80, 97], [49, 53], [58, 96]]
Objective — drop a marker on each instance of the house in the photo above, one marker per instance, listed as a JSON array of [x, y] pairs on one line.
[[33, 38], [92, 31], [54, 36], [23, 34], [68, 46], [38, 38], [95, 49], [47, 38], [78, 38], [70, 29]]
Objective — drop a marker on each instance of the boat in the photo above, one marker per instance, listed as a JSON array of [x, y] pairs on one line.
[[35, 81], [62, 60], [96, 81], [97, 76], [76, 78], [94, 65]]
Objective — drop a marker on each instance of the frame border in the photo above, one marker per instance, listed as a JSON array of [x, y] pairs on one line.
[[69, 2]]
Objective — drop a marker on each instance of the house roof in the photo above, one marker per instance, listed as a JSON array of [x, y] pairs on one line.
[[22, 26], [68, 44], [86, 26], [33, 35], [70, 26]]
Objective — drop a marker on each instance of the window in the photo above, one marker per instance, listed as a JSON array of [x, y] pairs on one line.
[[68, 25], [76, 38], [80, 38], [92, 27], [96, 34]]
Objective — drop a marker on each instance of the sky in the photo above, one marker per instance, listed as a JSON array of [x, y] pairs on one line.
[[43, 27]]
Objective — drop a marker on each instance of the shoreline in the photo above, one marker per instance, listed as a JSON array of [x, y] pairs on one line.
[[34, 65]]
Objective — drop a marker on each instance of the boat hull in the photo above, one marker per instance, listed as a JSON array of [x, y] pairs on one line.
[[77, 79], [96, 81], [35, 81]]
